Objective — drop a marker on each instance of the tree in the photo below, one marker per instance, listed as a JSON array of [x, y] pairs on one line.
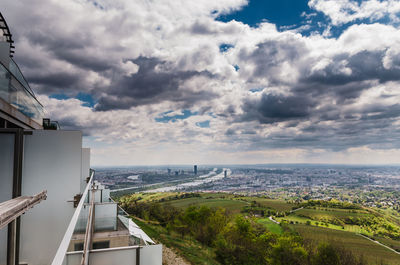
[[288, 251]]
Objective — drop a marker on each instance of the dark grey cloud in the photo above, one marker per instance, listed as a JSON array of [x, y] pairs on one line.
[[152, 83], [50, 83], [365, 65], [277, 108], [72, 48], [269, 57], [201, 28], [315, 108]]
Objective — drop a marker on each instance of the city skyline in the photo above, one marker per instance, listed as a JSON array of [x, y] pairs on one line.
[[217, 82]]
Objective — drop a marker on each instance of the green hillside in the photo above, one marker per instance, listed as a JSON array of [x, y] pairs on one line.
[[316, 222]]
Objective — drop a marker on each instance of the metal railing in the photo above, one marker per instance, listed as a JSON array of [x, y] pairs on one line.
[[88, 234], [62, 249]]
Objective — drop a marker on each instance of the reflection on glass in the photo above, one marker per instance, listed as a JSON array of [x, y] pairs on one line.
[[20, 96]]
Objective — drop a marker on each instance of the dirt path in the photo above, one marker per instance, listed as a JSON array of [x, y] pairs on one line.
[[171, 258], [145, 221], [379, 243]]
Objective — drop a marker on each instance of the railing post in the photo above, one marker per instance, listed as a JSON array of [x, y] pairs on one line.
[[138, 256]]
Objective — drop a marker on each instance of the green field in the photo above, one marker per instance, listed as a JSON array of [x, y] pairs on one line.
[[372, 252], [271, 226], [278, 205], [303, 220], [320, 213]]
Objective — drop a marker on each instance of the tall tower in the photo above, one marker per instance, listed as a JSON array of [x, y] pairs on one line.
[[195, 169]]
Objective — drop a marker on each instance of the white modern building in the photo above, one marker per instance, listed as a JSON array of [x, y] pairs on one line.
[[52, 211]]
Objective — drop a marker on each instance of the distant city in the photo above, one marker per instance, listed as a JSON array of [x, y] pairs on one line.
[[375, 186]]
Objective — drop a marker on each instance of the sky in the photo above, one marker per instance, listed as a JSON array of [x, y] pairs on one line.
[[217, 82]]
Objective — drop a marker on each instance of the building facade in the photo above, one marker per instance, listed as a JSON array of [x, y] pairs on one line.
[[52, 211]]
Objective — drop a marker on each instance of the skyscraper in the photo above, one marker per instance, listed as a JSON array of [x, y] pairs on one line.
[[195, 169]]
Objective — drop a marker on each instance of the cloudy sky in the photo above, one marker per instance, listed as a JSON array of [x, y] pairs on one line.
[[226, 81]]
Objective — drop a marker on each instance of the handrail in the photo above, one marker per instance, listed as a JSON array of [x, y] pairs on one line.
[[88, 234], [62, 249]]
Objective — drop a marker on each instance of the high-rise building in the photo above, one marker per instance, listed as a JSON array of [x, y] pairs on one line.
[[73, 219], [195, 169]]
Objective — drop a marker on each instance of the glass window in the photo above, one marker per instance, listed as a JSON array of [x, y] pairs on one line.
[[101, 244]]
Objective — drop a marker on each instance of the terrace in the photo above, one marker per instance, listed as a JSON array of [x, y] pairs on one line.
[[100, 231]]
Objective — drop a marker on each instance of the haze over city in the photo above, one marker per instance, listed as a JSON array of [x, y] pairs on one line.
[[208, 82]]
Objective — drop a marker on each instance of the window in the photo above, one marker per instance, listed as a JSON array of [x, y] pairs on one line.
[[78, 246], [101, 244]]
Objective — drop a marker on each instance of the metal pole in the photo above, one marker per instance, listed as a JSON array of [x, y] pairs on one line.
[[138, 256], [13, 235]]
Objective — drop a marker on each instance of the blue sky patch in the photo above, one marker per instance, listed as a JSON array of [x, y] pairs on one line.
[[165, 118], [281, 13], [225, 47], [256, 89], [87, 99], [287, 15], [203, 124]]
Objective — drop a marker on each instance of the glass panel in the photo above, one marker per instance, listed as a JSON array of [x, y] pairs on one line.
[[80, 227], [14, 69], [4, 83], [20, 96], [3, 246], [105, 224]]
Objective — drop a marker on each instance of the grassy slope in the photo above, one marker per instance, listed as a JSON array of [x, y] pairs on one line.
[[332, 213], [278, 205], [271, 226], [395, 244], [328, 213], [190, 249], [233, 206], [187, 247], [359, 245]]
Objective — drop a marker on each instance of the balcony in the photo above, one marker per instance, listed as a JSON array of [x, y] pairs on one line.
[[15, 91], [101, 232]]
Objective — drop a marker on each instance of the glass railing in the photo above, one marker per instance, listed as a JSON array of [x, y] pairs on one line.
[[106, 223], [14, 69], [78, 224], [19, 95]]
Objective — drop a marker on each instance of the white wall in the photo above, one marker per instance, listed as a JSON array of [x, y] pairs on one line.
[[151, 255], [52, 162], [6, 179], [85, 167]]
